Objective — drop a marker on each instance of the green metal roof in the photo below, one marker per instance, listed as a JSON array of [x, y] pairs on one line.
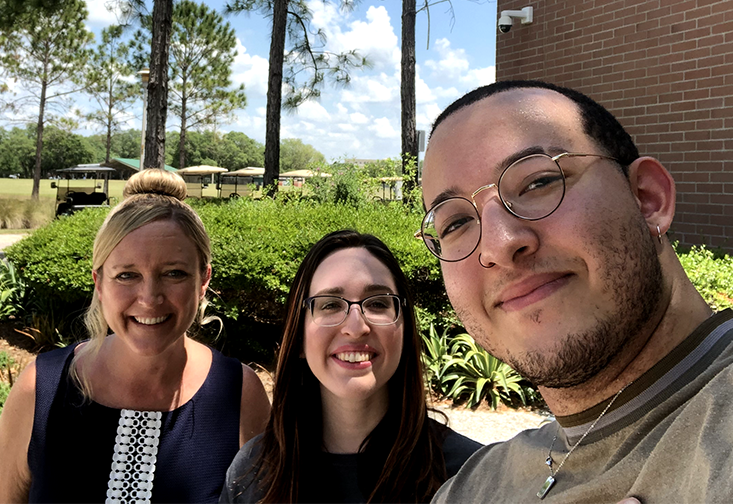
[[131, 163]]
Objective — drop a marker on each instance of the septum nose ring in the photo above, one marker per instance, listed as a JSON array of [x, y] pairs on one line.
[[487, 266]]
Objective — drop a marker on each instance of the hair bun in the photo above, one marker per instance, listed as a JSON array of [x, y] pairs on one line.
[[156, 181]]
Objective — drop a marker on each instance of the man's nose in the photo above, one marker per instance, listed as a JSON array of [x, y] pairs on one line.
[[505, 238]]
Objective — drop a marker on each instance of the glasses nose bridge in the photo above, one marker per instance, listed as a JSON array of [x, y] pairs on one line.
[[349, 304], [482, 201]]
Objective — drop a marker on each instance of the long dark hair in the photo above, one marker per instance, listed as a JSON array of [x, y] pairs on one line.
[[403, 455]]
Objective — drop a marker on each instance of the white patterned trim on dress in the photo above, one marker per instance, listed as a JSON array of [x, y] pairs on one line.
[[134, 458]]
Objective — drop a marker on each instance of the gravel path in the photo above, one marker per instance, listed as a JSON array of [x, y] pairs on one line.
[[7, 240], [487, 426]]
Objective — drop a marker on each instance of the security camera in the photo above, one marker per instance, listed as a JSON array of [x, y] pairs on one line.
[[505, 24], [505, 20]]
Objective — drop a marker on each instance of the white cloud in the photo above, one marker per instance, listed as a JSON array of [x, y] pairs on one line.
[[423, 93], [314, 111], [261, 111], [426, 115], [383, 128], [251, 123], [453, 63], [99, 15], [250, 70], [375, 89], [374, 38], [358, 118], [479, 77]]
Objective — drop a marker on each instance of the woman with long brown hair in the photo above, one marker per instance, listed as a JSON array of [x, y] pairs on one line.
[[349, 421]]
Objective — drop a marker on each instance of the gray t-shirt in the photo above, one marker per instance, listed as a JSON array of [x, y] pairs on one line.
[[667, 439]]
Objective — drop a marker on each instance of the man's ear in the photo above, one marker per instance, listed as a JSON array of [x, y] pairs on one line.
[[655, 193]]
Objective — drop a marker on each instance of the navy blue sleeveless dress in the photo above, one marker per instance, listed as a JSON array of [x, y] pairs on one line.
[[73, 442]]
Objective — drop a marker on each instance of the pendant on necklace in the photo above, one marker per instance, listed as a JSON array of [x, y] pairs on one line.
[[546, 487]]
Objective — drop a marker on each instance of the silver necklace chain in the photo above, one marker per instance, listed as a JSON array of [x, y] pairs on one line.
[[551, 479]]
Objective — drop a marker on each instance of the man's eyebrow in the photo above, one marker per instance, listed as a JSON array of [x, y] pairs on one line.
[[453, 191]]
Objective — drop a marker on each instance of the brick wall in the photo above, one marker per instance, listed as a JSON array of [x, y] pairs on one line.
[[664, 68]]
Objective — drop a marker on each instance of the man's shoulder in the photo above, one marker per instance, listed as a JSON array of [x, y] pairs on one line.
[[503, 462]]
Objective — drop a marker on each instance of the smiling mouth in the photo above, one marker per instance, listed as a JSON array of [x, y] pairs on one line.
[[354, 356], [151, 321], [533, 295]]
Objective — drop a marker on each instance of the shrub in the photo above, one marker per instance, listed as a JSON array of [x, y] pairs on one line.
[[345, 185], [257, 248], [711, 274]]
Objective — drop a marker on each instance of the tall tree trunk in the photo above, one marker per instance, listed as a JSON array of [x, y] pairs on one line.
[[39, 144], [109, 123], [274, 95], [157, 106], [407, 90], [182, 138]]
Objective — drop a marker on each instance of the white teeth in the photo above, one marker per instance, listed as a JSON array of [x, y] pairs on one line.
[[354, 356], [151, 321]]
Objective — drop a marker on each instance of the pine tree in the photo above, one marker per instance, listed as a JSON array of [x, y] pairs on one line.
[[45, 52], [305, 57], [106, 82], [203, 48]]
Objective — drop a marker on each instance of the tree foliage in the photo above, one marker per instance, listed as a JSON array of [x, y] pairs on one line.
[[61, 149], [45, 51], [232, 151], [109, 84], [13, 11], [17, 152], [296, 155]]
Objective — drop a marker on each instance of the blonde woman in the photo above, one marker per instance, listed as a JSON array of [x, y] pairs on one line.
[[140, 411]]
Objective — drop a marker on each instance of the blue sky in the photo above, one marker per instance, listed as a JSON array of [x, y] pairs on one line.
[[363, 119]]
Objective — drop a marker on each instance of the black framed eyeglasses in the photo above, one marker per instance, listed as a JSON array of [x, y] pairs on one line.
[[530, 188], [330, 311]]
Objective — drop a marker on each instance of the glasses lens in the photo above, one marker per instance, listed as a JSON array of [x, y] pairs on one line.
[[533, 187], [382, 309], [451, 229], [328, 311]]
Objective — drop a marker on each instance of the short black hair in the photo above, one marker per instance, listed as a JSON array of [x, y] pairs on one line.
[[598, 123]]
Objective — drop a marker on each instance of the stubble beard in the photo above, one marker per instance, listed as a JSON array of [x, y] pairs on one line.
[[633, 274]]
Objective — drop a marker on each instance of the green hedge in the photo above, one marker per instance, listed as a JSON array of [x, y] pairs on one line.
[[257, 248]]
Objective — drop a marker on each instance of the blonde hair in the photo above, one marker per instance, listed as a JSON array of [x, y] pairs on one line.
[[149, 195]]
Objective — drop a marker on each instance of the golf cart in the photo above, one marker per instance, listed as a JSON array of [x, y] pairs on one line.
[[197, 178], [240, 182], [90, 189]]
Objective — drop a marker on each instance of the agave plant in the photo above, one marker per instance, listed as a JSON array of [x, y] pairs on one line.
[[12, 290], [474, 374], [435, 354]]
